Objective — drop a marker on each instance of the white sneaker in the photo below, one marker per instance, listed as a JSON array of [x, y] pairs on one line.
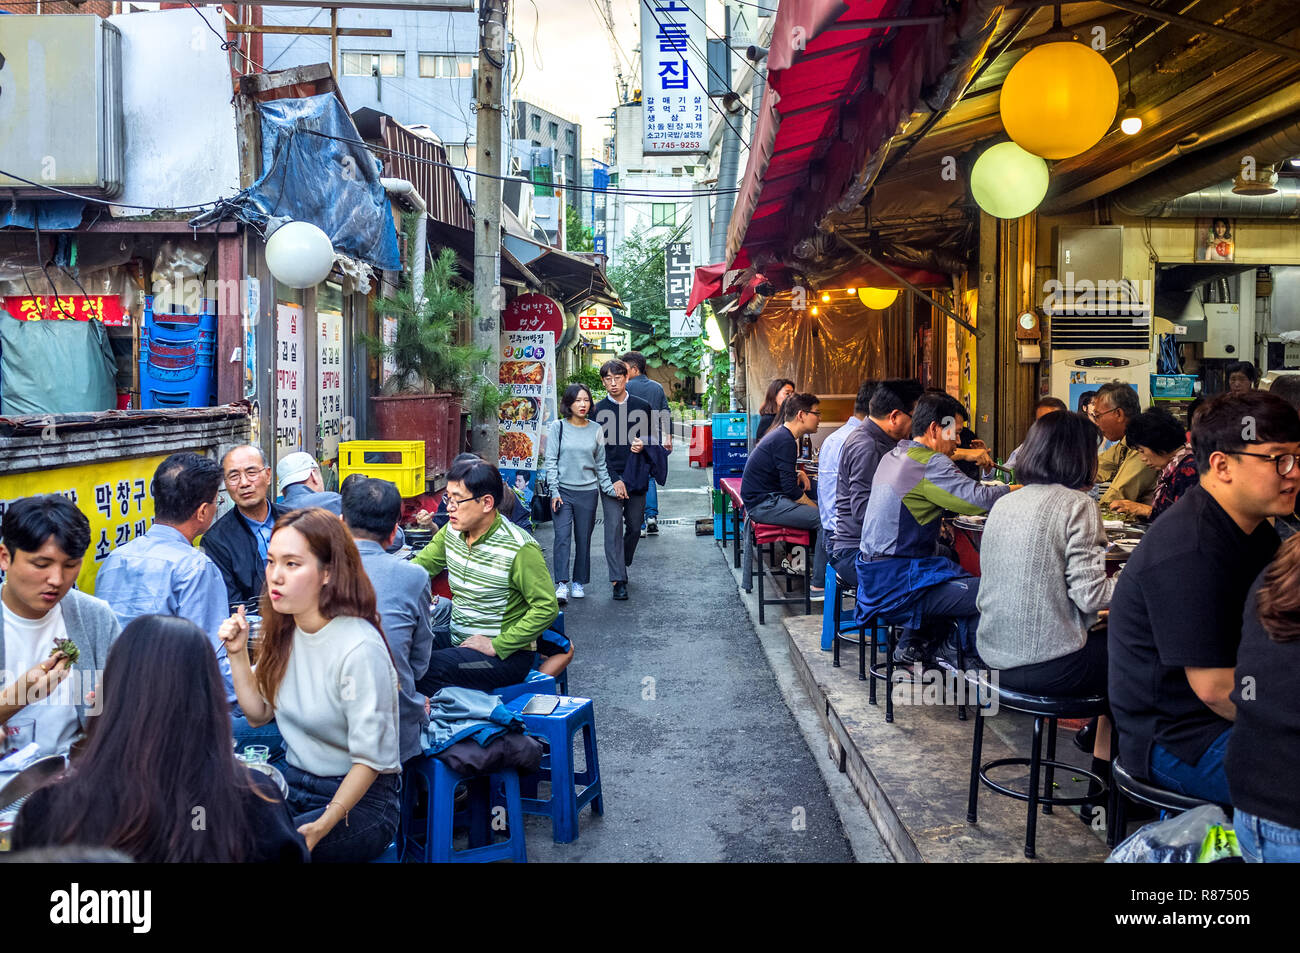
[[578, 592], [562, 593]]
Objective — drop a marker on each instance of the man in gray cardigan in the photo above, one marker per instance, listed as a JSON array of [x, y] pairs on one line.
[[44, 541], [371, 509]]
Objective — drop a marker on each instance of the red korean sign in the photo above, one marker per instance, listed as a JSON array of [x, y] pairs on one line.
[[595, 322], [105, 308], [533, 312]]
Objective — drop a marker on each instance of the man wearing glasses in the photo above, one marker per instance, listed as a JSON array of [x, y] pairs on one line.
[[502, 594], [237, 542], [1130, 478], [774, 491], [1176, 616]]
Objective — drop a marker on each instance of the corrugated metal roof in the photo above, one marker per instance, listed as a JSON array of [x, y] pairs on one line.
[[435, 183]]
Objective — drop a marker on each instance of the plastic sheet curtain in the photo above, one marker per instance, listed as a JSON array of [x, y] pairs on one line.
[[831, 352]]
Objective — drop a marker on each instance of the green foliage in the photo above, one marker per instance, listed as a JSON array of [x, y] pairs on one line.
[[425, 351], [588, 377], [641, 283], [717, 396], [576, 236]]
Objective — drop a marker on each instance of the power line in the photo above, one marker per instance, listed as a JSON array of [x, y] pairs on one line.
[[99, 201], [225, 43], [730, 53]]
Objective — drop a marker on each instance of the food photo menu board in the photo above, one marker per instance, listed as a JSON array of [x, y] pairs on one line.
[[528, 373]]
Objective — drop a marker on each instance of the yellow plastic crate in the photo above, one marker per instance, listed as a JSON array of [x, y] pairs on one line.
[[408, 474]]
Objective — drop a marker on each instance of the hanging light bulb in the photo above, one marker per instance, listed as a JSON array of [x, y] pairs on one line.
[[1131, 122], [825, 297], [299, 254], [853, 291], [814, 310], [877, 299]]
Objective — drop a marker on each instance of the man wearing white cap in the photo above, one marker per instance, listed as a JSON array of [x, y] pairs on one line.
[[299, 482]]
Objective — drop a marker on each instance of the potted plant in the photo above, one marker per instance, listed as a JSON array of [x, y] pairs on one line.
[[432, 375]]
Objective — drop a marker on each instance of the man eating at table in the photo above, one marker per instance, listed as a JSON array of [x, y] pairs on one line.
[[1123, 467], [1176, 616], [901, 579]]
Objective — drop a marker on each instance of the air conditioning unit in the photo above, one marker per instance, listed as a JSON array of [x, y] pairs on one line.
[[61, 105]]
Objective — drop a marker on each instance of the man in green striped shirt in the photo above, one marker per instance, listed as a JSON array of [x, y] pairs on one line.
[[502, 594]]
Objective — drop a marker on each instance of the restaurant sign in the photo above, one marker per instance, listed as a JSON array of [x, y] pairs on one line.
[[673, 77], [595, 322], [533, 313], [105, 308]]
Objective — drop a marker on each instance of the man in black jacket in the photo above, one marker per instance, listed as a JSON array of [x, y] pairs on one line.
[[237, 542], [625, 421]]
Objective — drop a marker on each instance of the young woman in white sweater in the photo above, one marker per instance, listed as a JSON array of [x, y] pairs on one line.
[[325, 674]]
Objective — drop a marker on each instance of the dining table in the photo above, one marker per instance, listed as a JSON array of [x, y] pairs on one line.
[[968, 532]]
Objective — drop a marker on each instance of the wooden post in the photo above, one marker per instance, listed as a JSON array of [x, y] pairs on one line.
[[334, 40], [986, 348]]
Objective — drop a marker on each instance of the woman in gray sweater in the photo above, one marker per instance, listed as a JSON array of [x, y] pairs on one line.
[[576, 473], [1043, 567]]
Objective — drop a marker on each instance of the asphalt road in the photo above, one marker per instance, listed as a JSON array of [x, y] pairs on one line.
[[700, 757]]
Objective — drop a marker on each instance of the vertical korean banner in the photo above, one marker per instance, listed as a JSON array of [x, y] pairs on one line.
[[289, 369], [528, 372], [329, 386], [673, 77]]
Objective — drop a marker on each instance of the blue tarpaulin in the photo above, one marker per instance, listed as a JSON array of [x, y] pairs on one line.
[[331, 184], [55, 213]]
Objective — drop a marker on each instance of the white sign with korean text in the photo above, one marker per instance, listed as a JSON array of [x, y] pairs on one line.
[[674, 91], [290, 366], [329, 382], [528, 372]]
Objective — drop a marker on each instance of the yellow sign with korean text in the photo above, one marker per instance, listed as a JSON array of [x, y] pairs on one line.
[[115, 496]]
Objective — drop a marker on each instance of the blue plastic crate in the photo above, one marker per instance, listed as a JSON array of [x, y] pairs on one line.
[[727, 453], [1173, 386], [725, 473], [735, 426]]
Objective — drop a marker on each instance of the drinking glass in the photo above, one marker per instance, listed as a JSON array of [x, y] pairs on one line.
[[257, 754]]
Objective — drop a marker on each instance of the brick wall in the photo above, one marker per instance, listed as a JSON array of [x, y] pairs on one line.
[[101, 8]]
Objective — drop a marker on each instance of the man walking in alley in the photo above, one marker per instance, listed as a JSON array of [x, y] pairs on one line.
[[625, 421], [661, 433], [237, 542]]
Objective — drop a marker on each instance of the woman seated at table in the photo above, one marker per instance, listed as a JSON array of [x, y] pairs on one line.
[[1162, 443], [326, 675], [157, 780], [1043, 578]]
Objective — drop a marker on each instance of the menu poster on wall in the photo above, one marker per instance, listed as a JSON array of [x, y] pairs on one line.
[[290, 366], [329, 387], [528, 372]]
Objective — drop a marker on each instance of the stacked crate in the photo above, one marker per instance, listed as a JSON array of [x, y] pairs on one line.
[[731, 435]]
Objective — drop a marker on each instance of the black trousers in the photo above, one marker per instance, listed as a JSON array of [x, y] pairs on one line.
[[469, 668]]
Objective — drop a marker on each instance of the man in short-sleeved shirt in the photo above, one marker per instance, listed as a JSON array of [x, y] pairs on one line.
[[1176, 617]]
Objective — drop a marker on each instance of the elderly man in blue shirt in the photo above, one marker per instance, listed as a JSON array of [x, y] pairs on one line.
[[828, 462], [162, 572]]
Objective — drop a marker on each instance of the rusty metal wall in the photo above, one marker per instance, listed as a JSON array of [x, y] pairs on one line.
[[435, 183]]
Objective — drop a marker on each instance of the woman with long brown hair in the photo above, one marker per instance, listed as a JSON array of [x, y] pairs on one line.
[[1263, 759], [769, 412], [325, 674], [157, 779]]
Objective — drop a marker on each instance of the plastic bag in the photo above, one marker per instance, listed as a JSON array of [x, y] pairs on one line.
[[1200, 836]]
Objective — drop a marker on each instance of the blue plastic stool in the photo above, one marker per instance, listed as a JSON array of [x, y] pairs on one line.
[[389, 856], [535, 684], [435, 846], [557, 730]]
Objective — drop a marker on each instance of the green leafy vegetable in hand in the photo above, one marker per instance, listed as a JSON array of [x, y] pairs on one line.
[[68, 648]]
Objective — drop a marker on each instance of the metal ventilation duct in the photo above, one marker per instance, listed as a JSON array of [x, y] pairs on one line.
[[1220, 200]]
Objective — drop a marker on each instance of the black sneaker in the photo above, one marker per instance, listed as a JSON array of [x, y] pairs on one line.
[[911, 652], [652, 527], [950, 658], [620, 590]]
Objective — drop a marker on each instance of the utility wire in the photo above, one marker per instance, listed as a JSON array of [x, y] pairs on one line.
[[226, 44]]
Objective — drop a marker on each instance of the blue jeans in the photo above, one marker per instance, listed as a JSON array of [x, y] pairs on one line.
[[369, 827], [651, 503], [1205, 779], [1265, 842], [268, 734]]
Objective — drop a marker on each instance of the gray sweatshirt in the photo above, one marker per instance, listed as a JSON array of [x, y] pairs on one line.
[[581, 458], [1042, 575]]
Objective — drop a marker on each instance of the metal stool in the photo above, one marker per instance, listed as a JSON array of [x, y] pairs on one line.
[[1043, 709], [1126, 787]]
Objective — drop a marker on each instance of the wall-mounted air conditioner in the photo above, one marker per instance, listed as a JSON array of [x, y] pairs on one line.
[[61, 105]]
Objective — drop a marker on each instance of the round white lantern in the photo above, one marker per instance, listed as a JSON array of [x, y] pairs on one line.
[[299, 255]]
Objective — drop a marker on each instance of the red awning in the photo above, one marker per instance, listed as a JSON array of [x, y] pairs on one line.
[[837, 91]]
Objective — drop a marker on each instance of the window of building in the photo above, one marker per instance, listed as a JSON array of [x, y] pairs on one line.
[[664, 213], [554, 129], [570, 139], [365, 64], [446, 65], [537, 124]]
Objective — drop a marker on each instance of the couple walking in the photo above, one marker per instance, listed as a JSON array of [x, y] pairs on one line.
[[615, 462]]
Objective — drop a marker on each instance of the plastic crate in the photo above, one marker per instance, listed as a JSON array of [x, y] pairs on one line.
[[407, 474], [734, 426], [1173, 386]]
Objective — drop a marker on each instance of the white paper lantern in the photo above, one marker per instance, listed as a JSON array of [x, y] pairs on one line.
[[1008, 182], [299, 255]]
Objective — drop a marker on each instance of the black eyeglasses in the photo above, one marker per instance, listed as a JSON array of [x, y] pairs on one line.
[[1285, 462], [453, 503], [1093, 415]]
